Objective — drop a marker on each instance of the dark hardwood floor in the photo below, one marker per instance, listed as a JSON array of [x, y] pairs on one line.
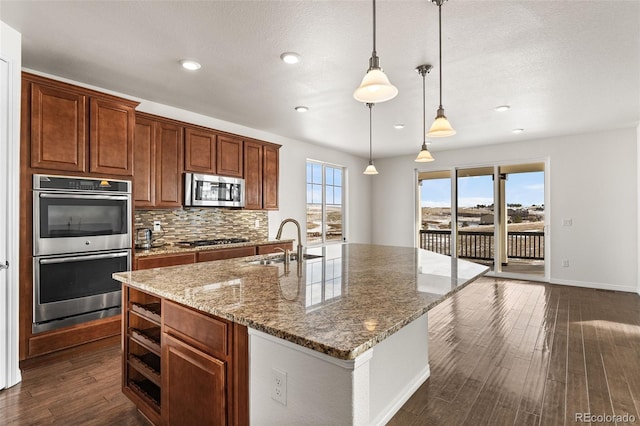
[[503, 352]]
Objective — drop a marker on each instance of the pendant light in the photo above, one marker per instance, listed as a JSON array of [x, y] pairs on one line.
[[375, 86], [441, 126], [424, 156], [371, 169]]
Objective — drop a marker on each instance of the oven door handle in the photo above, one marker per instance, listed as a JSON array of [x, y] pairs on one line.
[[85, 197], [80, 258]]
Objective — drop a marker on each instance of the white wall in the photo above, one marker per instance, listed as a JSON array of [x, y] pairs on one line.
[[638, 187], [593, 180], [293, 155], [10, 52]]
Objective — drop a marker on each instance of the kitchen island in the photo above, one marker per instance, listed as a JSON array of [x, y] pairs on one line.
[[336, 339]]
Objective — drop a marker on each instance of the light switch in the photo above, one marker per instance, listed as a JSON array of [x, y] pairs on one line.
[[567, 222]]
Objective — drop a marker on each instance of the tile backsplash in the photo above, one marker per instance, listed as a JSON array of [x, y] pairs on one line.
[[205, 223]]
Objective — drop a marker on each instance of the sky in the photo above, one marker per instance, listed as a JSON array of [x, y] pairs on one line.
[[522, 188]]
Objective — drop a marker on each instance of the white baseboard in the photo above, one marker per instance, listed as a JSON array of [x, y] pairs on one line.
[[598, 286]]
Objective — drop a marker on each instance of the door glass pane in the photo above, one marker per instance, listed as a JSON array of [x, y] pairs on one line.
[[435, 212], [475, 215], [524, 207]]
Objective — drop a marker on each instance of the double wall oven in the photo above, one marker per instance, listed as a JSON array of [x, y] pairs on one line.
[[81, 235]]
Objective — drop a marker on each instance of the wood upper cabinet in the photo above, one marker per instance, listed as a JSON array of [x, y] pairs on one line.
[[79, 130], [199, 151], [229, 156], [159, 163], [261, 167], [58, 128], [144, 159], [270, 176], [169, 164], [111, 137], [253, 175]]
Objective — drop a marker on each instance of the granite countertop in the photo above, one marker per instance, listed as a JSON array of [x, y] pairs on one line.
[[340, 304], [177, 249]]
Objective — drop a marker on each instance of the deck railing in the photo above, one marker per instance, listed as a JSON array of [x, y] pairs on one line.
[[481, 245]]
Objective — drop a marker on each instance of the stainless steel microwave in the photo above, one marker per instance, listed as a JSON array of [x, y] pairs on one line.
[[213, 191]]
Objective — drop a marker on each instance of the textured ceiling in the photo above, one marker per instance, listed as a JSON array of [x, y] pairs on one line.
[[564, 67]]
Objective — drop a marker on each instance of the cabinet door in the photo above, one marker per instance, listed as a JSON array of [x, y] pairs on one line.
[[229, 158], [199, 151], [58, 128], [169, 164], [144, 163], [111, 137], [270, 177], [193, 385], [252, 175]]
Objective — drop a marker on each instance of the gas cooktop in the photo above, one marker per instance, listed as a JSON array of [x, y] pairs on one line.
[[214, 242]]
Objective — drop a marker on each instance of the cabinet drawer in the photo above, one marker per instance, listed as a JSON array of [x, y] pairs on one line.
[[273, 248], [210, 335], [169, 260], [206, 256]]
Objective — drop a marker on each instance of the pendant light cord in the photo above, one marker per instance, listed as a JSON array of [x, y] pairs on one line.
[[370, 137], [440, 47], [424, 111], [374, 28]]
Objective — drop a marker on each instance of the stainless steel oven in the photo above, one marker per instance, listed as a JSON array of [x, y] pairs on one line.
[[73, 215], [81, 235], [78, 288]]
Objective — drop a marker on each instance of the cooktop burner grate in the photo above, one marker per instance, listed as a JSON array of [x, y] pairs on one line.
[[214, 242]]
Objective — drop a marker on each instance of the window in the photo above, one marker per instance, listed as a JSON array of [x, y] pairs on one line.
[[325, 203]]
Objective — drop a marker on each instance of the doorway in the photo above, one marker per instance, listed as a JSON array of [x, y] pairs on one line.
[[493, 215]]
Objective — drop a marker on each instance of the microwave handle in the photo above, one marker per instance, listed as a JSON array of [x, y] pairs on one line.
[[80, 258], [85, 197]]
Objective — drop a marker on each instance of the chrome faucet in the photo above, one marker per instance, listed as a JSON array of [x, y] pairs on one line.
[[279, 234]]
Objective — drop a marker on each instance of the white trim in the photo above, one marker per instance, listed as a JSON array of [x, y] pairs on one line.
[[10, 51], [597, 286]]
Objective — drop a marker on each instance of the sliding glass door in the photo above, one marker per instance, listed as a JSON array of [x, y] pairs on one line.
[[498, 216]]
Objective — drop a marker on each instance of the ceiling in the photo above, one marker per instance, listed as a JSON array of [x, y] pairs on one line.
[[564, 67]]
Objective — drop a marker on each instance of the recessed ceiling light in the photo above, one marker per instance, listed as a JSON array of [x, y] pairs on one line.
[[502, 108], [398, 126], [190, 65], [302, 108], [517, 131], [290, 58]]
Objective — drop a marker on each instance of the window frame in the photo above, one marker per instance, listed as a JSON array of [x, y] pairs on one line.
[[343, 201]]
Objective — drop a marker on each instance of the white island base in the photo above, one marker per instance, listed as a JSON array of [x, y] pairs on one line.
[[323, 390]]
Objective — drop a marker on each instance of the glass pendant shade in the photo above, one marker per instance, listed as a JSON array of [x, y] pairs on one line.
[[371, 169], [375, 87], [441, 127], [424, 156]]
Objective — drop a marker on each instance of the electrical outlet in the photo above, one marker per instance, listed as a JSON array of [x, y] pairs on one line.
[[156, 226], [279, 386], [565, 263], [567, 222]]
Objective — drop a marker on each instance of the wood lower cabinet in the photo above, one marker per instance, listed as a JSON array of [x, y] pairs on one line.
[[181, 366], [193, 385], [274, 248], [69, 123]]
